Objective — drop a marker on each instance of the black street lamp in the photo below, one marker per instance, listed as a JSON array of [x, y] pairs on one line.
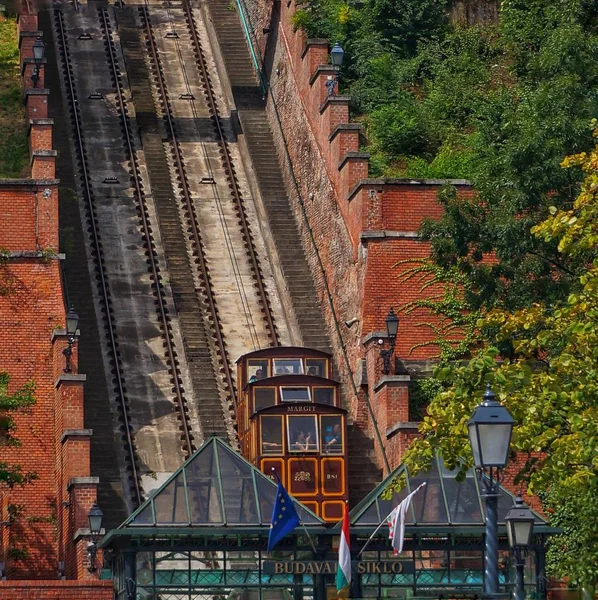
[[520, 527], [72, 325], [336, 58], [38, 56], [95, 518], [490, 429], [392, 328]]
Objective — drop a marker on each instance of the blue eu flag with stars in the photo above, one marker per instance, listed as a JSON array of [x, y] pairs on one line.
[[284, 517]]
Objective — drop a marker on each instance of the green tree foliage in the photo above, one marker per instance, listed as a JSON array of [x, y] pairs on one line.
[[549, 383], [10, 403]]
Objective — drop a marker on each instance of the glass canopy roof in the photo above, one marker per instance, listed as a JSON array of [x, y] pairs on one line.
[[215, 487], [442, 501]]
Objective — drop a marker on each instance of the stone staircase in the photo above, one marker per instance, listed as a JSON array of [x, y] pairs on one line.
[[364, 473], [260, 141]]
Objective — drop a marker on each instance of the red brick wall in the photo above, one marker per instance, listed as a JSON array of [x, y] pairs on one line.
[[56, 590], [31, 309]]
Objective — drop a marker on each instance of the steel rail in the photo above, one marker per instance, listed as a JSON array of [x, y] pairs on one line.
[[171, 354], [103, 284], [230, 173]]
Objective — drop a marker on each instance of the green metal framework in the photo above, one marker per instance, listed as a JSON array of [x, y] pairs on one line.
[[203, 535]]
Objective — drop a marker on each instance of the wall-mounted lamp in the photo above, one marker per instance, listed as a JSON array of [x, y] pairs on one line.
[[72, 325], [392, 328], [95, 518], [39, 49], [336, 58]]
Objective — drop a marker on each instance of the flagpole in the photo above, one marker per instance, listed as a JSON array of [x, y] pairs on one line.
[[309, 538], [386, 520]]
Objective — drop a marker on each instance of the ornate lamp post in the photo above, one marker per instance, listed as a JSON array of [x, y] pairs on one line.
[[490, 429], [392, 328], [336, 58], [72, 325], [38, 56], [520, 527], [95, 518]]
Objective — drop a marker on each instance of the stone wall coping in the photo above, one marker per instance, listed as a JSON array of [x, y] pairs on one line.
[[85, 532], [407, 181], [31, 33], [334, 100], [353, 155], [321, 69], [36, 254], [55, 583], [392, 381], [41, 122], [28, 182], [383, 234], [37, 92], [68, 433], [404, 426], [70, 377], [61, 332], [344, 127], [374, 335], [313, 42], [73, 481], [41, 152]]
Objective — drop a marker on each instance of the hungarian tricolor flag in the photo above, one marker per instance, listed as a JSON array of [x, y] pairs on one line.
[[343, 573]]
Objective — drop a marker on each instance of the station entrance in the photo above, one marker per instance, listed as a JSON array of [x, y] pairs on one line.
[[203, 536]]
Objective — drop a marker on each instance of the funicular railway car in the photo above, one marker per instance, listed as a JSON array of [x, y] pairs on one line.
[[289, 419]]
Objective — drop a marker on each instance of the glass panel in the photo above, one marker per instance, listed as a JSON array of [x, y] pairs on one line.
[[257, 369], [298, 394], [303, 434], [370, 516], [271, 435], [387, 506], [332, 434], [266, 493], [324, 396], [203, 489], [494, 443], [145, 517], [170, 505], [237, 489], [428, 503], [288, 366], [316, 366], [466, 566], [264, 397], [462, 498]]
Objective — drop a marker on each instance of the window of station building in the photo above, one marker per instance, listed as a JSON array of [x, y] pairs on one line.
[[271, 435], [288, 366], [303, 433], [257, 369], [316, 367], [264, 397], [324, 395], [332, 434], [295, 394]]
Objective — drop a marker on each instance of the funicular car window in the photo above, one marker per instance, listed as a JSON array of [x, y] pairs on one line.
[[316, 366], [264, 397], [257, 369], [324, 395], [332, 434], [295, 394], [288, 366], [271, 434], [303, 433]]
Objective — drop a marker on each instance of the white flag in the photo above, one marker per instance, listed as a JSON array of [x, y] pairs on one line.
[[396, 521]]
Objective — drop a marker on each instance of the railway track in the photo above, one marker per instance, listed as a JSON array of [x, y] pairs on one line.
[[189, 260], [117, 369], [224, 166]]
